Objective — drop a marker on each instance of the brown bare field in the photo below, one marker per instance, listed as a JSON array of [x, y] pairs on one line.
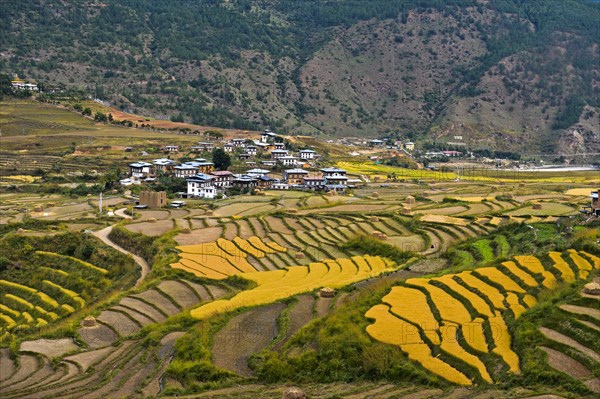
[[155, 229], [566, 364], [199, 236], [49, 347]]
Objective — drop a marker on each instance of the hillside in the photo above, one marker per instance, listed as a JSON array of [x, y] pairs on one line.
[[510, 74]]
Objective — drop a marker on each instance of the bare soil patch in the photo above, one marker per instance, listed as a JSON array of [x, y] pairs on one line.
[[120, 323], [200, 236], [244, 335], [299, 315], [563, 339], [49, 347], [155, 229], [566, 364], [183, 295], [595, 313], [142, 307], [98, 336], [87, 359]]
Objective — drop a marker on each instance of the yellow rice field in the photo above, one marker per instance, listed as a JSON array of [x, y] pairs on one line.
[[444, 219], [436, 308]]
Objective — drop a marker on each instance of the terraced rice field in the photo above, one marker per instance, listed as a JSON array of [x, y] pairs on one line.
[[272, 286], [423, 314]]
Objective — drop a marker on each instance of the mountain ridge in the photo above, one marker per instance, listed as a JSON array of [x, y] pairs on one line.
[[505, 74]]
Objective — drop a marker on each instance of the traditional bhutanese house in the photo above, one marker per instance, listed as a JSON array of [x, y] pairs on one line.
[[228, 147], [288, 161], [251, 149], [206, 146], [410, 146], [245, 182], [164, 165], [595, 202], [314, 181], [307, 154], [201, 185], [294, 177], [185, 170], [280, 186], [268, 163], [238, 143], [171, 148], [335, 179], [279, 146], [223, 178], [276, 154], [268, 136], [205, 167], [244, 156], [265, 182], [140, 169]]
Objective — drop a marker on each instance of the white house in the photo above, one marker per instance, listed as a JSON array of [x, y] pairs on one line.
[[140, 170], [201, 185], [171, 148], [239, 143], [267, 136], [251, 149], [228, 147], [307, 154], [288, 161], [335, 179], [279, 146], [295, 176], [314, 182], [409, 146]]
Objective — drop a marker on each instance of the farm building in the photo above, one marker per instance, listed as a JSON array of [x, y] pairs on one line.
[[595, 202], [257, 172], [153, 199], [288, 161], [228, 147], [171, 148], [314, 182], [245, 182], [276, 154]]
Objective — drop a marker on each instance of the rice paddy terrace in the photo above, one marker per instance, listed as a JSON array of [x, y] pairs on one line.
[[262, 290]]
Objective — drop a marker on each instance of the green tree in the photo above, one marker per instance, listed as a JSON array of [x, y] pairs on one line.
[[100, 117], [221, 159], [87, 111], [5, 86]]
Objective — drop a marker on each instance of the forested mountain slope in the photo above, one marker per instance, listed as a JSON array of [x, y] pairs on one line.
[[503, 74]]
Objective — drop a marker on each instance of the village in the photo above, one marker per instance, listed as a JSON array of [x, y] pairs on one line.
[[283, 170]]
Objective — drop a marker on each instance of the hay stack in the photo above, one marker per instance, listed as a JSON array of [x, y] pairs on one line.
[[152, 220], [89, 321], [38, 208], [327, 292], [209, 213], [380, 235], [410, 200], [591, 288], [406, 211], [375, 194], [20, 231], [521, 184], [299, 255], [293, 210], [294, 393], [50, 205], [331, 193], [185, 230], [426, 194], [537, 206], [374, 219]]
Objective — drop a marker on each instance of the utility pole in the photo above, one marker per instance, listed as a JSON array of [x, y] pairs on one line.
[[100, 203]]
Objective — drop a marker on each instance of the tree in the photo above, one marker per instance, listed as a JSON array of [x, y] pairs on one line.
[[100, 116], [5, 86], [221, 159], [87, 111]]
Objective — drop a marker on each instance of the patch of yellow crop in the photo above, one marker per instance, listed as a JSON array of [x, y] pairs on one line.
[[529, 300], [260, 245], [593, 258], [276, 246], [582, 264], [275, 285], [20, 300], [47, 299], [416, 310], [76, 260], [444, 219], [451, 345], [10, 322], [10, 311], [18, 286], [513, 303], [562, 266], [480, 305], [487, 290], [521, 274], [495, 221], [579, 192], [502, 341], [534, 265], [495, 275], [245, 246], [392, 330], [28, 318]]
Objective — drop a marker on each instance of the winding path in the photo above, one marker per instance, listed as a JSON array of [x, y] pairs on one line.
[[144, 267]]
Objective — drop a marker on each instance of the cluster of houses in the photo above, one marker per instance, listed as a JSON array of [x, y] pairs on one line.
[[203, 181]]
